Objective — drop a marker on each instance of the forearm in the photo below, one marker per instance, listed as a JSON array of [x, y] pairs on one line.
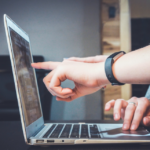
[[134, 67]]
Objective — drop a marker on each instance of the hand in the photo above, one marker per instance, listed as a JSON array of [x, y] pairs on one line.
[[94, 59], [88, 78], [131, 114]]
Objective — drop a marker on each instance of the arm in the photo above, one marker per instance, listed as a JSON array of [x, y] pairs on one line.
[[89, 77], [133, 67]]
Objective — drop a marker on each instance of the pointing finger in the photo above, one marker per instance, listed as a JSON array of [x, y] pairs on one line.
[[46, 65]]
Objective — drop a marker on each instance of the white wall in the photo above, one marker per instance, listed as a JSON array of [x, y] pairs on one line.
[[59, 29]]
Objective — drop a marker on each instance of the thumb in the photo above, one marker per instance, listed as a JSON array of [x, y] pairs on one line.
[[146, 121], [46, 65]]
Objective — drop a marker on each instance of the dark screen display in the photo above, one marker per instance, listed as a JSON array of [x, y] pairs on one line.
[[26, 79]]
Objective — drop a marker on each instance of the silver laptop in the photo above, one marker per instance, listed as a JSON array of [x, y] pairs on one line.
[[34, 130]]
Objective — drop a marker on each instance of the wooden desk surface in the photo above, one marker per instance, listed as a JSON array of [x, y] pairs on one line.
[[11, 138]]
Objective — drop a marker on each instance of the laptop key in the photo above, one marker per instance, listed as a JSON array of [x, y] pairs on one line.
[[84, 131], [94, 131], [75, 131], [49, 131], [66, 131], [56, 131]]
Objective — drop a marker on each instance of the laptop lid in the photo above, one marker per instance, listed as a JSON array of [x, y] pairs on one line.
[[24, 76]]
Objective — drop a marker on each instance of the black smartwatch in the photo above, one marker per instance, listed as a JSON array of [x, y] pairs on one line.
[[108, 67]]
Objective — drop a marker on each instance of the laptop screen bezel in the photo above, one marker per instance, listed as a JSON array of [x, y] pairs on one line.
[[29, 130]]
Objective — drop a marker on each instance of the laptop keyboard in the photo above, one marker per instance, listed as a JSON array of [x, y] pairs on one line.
[[66, 131], [94, 131], [72, 131], [49, 131], [84, 131], [56, 132], [75, 131]]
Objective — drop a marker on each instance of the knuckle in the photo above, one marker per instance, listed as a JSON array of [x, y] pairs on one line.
[[50, 86], [119, 100], [145, 101], [133, 98]]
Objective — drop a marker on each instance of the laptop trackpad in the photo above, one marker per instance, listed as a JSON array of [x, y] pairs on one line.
[[115, 131]]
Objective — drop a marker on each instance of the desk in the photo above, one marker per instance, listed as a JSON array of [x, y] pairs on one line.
[[12, 139]]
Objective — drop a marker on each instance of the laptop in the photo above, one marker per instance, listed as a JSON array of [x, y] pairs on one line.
[[35, 131]]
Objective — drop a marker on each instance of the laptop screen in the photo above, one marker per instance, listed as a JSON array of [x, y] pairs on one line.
[[25, 77]]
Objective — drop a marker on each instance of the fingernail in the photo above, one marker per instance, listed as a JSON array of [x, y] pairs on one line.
[[125, 126], [116, 116], [133, 127]]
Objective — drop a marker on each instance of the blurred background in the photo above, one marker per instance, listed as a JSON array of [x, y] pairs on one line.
[[64, 28]]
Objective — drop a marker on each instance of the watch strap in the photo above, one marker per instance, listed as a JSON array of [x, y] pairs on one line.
[[108, 67]]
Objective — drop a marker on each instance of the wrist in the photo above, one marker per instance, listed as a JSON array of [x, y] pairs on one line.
[[101, 75]]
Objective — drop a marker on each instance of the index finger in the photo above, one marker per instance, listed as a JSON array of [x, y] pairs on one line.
[[46, 65]]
